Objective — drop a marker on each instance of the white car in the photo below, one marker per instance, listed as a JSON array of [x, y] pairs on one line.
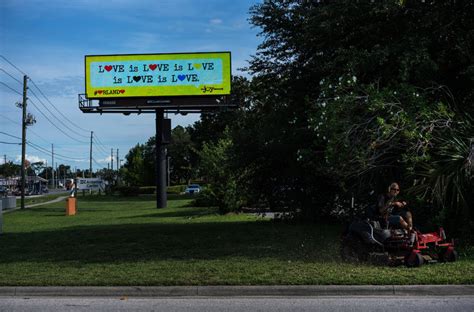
[[192, 188]]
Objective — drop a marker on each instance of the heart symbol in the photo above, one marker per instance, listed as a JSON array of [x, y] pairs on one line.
[[136, 78], [181, 77], [108, 67], [100, 91], [122, 91], [152, 66], [197, 65]]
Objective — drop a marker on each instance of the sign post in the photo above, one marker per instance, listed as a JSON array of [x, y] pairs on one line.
[[160, 160], [179, 83]]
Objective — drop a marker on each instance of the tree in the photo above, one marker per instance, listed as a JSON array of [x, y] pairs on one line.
[[179, 151], [134, 167], [216, 167], [9, 169], [410, 66]]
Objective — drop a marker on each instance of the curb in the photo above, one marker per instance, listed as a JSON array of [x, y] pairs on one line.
[[240, 291]]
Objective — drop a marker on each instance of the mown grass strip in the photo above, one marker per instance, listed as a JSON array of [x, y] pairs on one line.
[[118, 241]]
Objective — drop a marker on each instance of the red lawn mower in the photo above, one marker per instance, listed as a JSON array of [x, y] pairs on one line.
[[366, 240]]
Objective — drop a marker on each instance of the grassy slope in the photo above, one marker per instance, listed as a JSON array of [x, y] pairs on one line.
[[129, 242], [40, 199]]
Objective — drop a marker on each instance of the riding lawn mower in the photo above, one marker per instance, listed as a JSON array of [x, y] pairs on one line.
[[367, 241]]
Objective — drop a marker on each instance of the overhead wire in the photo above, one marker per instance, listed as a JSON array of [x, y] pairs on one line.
[[36, 145], [99, 143], [28, 130], [11, 76], [100, 147], [32, 102], [47, 99], [39, 100], [95, 161], [1, 82], [10, 143], [13, 65], [62, 122], [55, 154]]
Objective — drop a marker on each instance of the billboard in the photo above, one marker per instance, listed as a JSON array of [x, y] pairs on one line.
[[155, 75], [92, 184]]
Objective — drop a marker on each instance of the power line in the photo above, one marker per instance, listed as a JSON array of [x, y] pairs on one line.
[[16, 122], [100, 146], [55, 154], [102, 150], [10, 135], [99, 141], [12, 65], [10, 143], [73, 123], [1, 82], [29, 130], [95, 161], [3, 70], [33, 103], [65, 125], [42, 149]]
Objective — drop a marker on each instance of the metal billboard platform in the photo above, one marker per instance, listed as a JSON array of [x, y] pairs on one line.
[[176, 104]]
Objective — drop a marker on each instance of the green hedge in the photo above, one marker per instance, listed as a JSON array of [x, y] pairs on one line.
[[176, 189], [147, 189], [127, 191]]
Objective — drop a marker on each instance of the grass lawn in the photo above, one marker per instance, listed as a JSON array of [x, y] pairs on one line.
[[114, 241]]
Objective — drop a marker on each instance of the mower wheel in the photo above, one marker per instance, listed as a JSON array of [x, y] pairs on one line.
[[450, 255], [414, 260]]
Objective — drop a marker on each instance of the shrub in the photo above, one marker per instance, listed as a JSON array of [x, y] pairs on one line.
[[176, 189], [147, 189], [128, 191]]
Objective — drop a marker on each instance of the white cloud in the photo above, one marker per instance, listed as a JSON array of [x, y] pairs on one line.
[[30, 158], [216, 21]]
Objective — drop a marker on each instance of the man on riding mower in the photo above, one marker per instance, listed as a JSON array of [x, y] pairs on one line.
[[392, 210]]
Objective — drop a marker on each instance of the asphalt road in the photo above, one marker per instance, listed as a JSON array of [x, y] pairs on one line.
[[273, 304]]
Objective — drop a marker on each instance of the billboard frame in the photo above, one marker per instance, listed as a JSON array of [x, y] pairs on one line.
[[149, 54]]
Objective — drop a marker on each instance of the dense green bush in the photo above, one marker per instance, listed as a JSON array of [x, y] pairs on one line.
[[176, 189], [128, 191], [147, 189]]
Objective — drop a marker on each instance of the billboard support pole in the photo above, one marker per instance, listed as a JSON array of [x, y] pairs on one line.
[[160, 161]]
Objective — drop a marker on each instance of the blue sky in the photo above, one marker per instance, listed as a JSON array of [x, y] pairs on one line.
[[47, 40]]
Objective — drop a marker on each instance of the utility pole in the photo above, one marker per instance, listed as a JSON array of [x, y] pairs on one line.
[[112, 158], [5, 159], [52, 165], [23, 142], [118, 165], [90, 161]]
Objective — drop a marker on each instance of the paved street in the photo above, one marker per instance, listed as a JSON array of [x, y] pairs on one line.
[[273, 304]]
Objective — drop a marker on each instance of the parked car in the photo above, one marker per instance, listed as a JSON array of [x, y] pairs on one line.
[[192, 188], [3, 190]]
